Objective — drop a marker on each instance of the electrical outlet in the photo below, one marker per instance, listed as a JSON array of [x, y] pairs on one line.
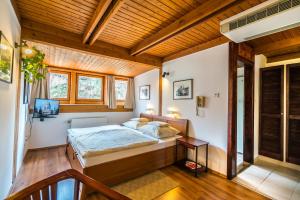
[[201, 113]]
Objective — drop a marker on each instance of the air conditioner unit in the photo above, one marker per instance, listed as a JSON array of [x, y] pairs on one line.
[[264, 19]]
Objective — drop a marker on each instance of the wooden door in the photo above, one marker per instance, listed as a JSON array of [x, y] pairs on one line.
[[271, 112], [293, 114]]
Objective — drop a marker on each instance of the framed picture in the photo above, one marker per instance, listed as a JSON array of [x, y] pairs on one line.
[[6, 59], [183, 89], [145, 92]]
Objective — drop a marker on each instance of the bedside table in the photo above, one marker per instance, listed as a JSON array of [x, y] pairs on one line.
[[194, 144]]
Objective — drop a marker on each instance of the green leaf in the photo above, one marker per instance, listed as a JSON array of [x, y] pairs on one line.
[[34, 68]]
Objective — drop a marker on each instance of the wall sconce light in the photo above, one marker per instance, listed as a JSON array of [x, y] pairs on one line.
[[150, 111], [165, 74], [26, 51], [172, 113]]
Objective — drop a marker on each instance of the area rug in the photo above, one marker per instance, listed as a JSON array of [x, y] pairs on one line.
[[146, 187]]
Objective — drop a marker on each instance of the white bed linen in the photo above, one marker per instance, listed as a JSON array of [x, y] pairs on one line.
[[100, 140], [95, 160]]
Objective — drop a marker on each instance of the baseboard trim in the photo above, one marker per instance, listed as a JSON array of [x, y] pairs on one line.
[[217, 173], [45, 148]]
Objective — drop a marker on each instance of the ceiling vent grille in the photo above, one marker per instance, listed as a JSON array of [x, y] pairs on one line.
[[266, 12]]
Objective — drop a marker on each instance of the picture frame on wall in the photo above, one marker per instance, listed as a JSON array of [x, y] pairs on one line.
[[6, 59], [183, 89], [144, 92]]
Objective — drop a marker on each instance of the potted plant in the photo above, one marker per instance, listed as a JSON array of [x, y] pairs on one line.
[[33, 64]]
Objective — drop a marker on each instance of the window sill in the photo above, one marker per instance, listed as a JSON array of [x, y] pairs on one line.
[[79, 108], [82, 108]]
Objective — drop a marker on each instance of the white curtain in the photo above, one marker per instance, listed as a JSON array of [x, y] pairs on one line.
[[130, 95], [111, 93], [39, 89]]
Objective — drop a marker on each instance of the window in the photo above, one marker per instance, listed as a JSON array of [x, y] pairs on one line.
[[89, 88], [77, 87], [121, 89], [59, 85]]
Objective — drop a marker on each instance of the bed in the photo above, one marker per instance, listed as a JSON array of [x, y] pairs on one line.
[[113, 166]]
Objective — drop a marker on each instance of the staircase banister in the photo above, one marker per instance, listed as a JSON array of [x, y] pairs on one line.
[[70, 173]]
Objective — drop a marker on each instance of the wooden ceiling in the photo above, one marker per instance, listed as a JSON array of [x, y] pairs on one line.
[[142, 31], [70, 59], [279, 46]]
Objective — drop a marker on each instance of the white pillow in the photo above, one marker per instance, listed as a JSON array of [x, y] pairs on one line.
[[134, 124], [158, 123], [140, 119], [158, 132]]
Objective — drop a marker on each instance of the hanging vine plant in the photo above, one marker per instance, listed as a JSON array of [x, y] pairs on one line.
[[33, 64]]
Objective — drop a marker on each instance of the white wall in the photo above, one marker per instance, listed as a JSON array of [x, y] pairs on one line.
[[53, 131], [209, 69], [240, 110], [149, 78], [22, 145], [11, 29]]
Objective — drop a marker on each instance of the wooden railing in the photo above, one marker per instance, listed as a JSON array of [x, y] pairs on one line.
[[47, 188]]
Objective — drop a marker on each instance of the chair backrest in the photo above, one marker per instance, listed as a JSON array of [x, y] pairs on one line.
[[47, 188]]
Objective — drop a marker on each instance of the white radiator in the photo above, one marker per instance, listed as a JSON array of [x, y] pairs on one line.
[[88, 122]]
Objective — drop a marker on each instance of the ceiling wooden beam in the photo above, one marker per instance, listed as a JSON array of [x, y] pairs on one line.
[[46, 34], [99, 12], [199, 47], [206, 10], [278, 46], [284, 57], [110, 13]]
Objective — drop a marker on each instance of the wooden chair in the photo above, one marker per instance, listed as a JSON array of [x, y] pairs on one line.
[[47, 188]]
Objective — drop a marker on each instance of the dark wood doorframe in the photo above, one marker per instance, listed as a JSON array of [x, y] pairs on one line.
[[232, 110], [248, 143]]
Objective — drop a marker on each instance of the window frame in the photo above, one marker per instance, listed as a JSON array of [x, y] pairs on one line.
[[89, 101], [122, 79], [61, 100]]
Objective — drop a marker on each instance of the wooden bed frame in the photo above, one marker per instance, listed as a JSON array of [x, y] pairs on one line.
[[117, 171]]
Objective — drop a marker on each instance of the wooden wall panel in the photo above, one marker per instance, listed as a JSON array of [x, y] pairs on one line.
[[138, 19], [134, 21], [205, 31], [72, 16], [69, 59], [279, 46]]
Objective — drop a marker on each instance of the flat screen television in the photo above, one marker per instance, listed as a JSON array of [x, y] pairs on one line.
[[45, 108]]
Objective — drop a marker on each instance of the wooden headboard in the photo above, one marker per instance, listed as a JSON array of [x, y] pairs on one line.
[[180, 124]]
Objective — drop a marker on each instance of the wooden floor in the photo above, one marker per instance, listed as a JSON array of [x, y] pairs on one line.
[[43, 163]]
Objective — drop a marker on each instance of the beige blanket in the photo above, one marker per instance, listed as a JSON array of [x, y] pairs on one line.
[[107, 139]]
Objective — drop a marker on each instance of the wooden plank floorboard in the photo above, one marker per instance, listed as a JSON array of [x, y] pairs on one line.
[[43, 163], [39, 165]]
